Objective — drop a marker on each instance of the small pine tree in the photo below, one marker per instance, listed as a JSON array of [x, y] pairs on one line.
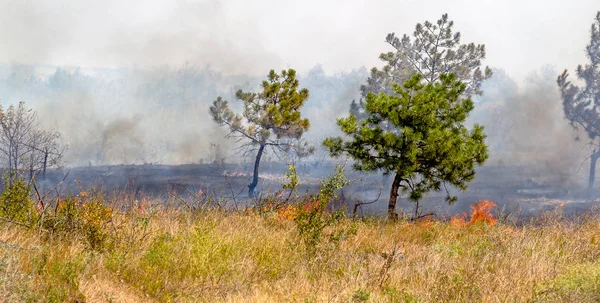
[[417, 134], [271, 118]]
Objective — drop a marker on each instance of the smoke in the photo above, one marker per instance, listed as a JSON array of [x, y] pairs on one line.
[[158, 115], [239, 37], [134, 33], [136, 78], [525, 125], [329, 99]]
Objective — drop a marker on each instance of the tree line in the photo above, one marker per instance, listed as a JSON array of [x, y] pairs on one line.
[[410, 119]]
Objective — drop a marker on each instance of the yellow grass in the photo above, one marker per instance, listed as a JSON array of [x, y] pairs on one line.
[[247, 257]]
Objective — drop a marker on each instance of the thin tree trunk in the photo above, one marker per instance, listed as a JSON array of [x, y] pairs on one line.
[[45, 163], [16, 160], [416, 209], [10, 161], [392, 215], [252, 185], [593, 160]]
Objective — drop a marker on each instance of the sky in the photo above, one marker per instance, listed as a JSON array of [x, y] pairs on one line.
[[241, 36]]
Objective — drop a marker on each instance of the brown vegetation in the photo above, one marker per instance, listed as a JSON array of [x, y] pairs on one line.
[[139, 251]]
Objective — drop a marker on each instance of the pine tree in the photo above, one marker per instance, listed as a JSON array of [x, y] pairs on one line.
[[582, 104], [424, 143], [271, 118], [433, 50]]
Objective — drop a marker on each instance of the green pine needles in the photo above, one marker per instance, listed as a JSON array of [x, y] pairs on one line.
[[271, 119], [417, 134]]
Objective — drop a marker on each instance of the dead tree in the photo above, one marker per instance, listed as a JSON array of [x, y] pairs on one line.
[[24, 146]]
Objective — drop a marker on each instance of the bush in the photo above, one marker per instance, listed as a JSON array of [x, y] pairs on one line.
[[312, 218], [84, 215], [15, 202]]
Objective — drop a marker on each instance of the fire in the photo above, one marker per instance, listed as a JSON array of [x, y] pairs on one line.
[[459, 221], [311, 206], [290, 212], [481, 214], [426, 222]]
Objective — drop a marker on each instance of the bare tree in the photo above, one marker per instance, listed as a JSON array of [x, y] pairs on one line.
[[24, 146], [218, 155], [44, 151]]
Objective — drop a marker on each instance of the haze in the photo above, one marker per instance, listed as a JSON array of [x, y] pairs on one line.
[[238, 36]]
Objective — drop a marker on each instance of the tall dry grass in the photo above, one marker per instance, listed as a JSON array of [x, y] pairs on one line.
[[149, 254]]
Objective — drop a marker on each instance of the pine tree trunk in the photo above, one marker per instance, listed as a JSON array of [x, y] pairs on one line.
[[252, 185], [392, 215], [592, 177], [45, 164]]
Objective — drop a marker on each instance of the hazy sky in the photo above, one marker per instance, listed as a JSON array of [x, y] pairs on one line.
[[243, 36]]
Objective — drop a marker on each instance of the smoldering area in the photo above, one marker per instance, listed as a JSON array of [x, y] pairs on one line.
[[149, 131]]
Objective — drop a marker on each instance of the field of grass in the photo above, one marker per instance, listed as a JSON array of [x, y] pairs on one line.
[[85, 251]]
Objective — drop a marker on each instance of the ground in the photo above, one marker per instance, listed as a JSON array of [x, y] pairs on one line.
[[164, 237], [252, 257], [521, 189]]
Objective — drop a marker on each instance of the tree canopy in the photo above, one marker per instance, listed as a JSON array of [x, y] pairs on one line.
[[433, 50], [424, 143]]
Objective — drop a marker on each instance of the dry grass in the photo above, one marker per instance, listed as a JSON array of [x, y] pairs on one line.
[[247, 257]]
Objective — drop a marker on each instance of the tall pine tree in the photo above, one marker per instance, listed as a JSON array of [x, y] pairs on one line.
[[434, 49], [424, 143]]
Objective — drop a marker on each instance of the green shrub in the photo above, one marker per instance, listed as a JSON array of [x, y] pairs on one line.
[[313, 219], [580, 283], [15, 202]]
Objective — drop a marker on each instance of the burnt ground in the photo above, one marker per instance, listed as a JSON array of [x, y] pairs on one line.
[[526, 190]]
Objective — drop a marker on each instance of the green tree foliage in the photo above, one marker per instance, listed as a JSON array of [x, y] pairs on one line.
[[271, 118], [582, 104], [425, 143], [15, 203], [432, 51]]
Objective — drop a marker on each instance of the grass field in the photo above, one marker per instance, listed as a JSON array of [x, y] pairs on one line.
[[85, 251]]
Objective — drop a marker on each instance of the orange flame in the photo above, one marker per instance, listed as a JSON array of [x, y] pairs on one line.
[[459, 221], [426, 222], [481, 214], [290, 212]]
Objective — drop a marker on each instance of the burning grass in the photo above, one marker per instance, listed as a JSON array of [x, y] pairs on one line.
[[482, 214], [155, 254]]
